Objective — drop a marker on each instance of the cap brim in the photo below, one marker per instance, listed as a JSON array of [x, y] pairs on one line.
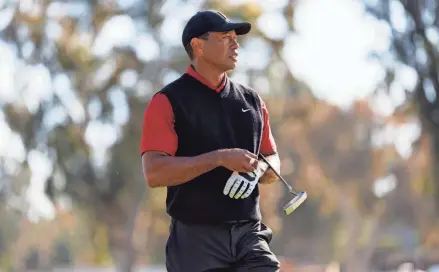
[[240, 28]]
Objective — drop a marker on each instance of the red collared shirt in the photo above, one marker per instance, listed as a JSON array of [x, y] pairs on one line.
[[158, 124]]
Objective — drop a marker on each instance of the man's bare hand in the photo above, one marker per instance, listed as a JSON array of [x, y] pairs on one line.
[[238, 160]]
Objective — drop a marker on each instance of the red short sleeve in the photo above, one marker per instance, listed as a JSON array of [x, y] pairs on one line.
[[158, 132], [268, 145]]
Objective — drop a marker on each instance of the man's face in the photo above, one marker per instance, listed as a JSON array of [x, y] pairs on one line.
[[220, 49]]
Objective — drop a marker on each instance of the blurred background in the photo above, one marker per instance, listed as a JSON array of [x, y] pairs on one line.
[[351, 87]]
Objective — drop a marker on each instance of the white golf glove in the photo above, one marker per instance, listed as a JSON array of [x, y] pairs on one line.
[[245, 182]]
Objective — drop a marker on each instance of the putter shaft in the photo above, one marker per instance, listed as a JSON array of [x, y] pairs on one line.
[[279, 176]]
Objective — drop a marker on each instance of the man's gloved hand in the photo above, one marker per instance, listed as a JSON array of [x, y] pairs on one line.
[[241, 185]]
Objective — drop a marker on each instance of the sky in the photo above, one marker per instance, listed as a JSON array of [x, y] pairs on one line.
[[329, 51]]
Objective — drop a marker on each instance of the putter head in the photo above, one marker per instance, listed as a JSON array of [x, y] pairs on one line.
[[295, 203]]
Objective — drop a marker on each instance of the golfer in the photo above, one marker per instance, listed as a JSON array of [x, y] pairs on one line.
[[202, 134]]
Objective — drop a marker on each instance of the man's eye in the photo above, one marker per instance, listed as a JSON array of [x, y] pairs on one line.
[[231, 38]]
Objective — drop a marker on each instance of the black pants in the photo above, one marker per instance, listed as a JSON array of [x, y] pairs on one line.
[[230, 247]]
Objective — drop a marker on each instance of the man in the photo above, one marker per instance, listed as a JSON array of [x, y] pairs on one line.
[[201, 137]]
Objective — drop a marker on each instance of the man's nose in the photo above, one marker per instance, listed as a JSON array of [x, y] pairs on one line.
[[235, 44]]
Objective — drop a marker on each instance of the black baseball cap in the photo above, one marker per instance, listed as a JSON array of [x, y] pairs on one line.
[[211, 21]]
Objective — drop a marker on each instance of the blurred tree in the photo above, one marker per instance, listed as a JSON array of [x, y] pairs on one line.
[[33, 260], [80, 125], [413, 68], [413, 56], [61, 255], [8, 234]]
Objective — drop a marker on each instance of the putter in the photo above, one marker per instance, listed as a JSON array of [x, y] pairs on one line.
[[298, 199]]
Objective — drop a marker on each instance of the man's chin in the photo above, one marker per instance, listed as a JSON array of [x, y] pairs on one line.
[[230, 67], [227, 67]]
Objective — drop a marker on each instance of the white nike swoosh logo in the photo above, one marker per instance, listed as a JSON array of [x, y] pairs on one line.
[[243, 110]]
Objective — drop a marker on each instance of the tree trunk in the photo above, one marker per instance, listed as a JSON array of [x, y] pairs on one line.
[[121, 223], [356, 257]]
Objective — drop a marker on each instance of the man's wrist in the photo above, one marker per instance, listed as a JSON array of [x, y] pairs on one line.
[[218, 157]]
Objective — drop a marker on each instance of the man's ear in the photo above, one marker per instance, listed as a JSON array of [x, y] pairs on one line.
[[197, 46]]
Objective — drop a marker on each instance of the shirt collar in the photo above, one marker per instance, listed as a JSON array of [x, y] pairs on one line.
[[191, 71]]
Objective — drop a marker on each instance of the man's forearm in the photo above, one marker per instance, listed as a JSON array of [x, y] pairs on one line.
[[269, 176], [164, 170]]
